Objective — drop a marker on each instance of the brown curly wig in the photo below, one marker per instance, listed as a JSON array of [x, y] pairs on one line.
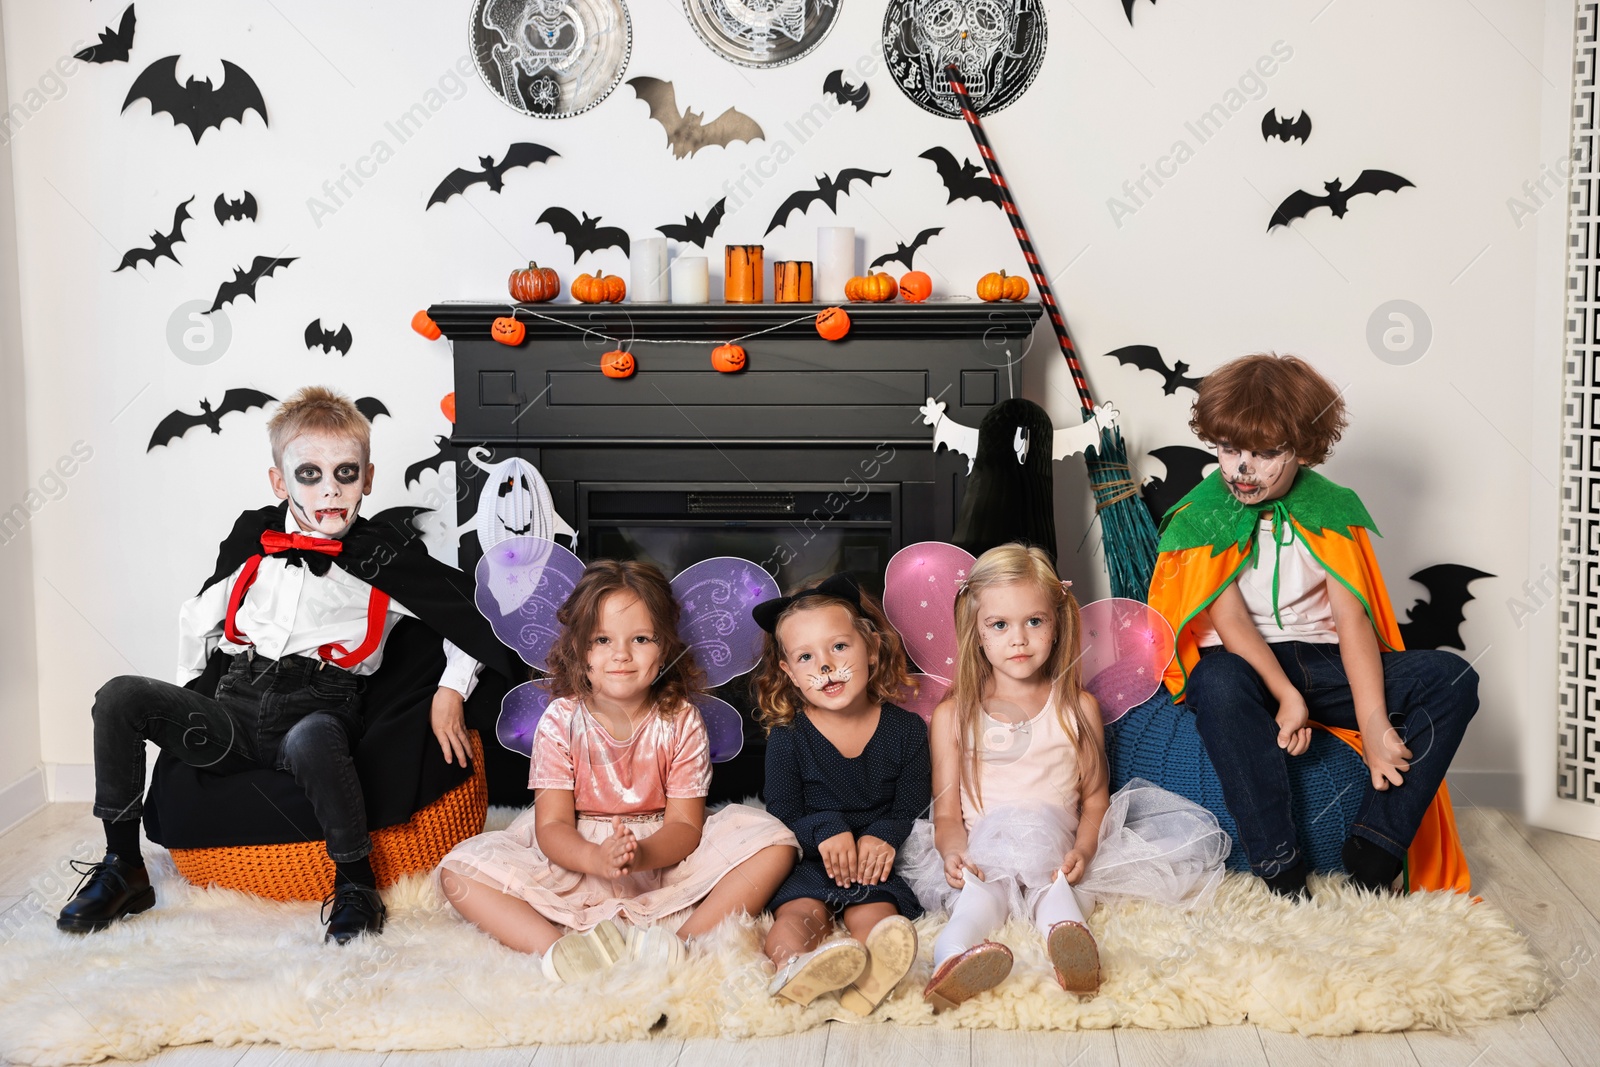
[[1268, 401], [778, 700], [680, 676]]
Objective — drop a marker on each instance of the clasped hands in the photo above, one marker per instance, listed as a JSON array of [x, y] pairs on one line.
[[848, 861]]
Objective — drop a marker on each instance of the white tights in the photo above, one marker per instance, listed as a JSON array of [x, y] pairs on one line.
[[982, 908]]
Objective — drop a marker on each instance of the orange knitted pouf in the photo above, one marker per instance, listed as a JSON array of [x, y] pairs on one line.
[[301, 870]]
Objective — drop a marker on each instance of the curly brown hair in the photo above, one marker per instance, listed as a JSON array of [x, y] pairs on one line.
[[778, 700], [1270, 401], [680, 676]]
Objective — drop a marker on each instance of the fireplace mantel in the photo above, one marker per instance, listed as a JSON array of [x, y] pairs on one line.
[[798, 391]]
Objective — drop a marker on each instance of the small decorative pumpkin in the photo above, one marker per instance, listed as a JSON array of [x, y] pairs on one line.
[[598, 288], [833, 323], [1002, 286], [425, 325], [873, 288], [915, 286], [728, 358], [534, 285], [448, 406], [618, 363], [508, 330]]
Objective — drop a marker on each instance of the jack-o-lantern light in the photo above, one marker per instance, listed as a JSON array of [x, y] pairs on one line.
[[618, 363], [728, 359], [508, 330], [832, 324]]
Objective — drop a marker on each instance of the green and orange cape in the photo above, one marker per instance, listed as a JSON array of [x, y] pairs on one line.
[[1208, 538]]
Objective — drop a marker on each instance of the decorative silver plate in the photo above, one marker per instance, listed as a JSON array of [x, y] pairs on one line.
[[551, 59], [762, 33], [997, 44]]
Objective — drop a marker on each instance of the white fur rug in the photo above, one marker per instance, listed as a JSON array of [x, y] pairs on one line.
[[215, 965]]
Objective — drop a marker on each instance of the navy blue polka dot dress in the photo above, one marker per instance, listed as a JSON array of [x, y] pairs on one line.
[[818, 793]]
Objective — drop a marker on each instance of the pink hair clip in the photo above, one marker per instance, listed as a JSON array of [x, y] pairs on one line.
[[1066, 583]]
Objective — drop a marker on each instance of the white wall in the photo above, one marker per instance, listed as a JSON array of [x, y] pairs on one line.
[[1450, 97], [21, 783]]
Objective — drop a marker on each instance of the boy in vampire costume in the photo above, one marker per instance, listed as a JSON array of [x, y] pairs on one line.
[[282, 666]]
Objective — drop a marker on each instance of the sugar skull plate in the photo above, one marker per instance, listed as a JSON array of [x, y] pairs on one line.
[[551, 59], [761, 33]]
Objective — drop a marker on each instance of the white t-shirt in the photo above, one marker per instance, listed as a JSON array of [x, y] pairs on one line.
[[1303, 602]]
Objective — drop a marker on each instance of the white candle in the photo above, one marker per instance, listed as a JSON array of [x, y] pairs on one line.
[[691, 280], [836, 261], [647, 263]]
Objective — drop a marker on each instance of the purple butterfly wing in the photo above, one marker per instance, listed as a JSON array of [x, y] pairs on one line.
[[1126, 648], [521, 584], [919, 596], [716, 596], [724, 726], [923, 695], [520, 711]]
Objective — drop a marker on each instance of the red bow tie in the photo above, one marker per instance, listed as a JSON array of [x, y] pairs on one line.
[[279, 541]]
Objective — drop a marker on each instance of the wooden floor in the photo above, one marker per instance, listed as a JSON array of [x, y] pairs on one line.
[[1549, 883]]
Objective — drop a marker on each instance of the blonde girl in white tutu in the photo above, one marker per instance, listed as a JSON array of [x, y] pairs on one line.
[[1021, 793]]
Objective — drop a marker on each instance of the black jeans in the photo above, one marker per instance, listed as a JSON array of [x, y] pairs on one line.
[[1430, 697], [292, 714]]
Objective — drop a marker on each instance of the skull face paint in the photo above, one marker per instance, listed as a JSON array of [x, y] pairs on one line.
[[323, 477], [1257, 477]]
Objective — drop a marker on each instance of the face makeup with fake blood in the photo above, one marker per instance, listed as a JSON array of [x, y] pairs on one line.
[[323, 477], [624, 655], [827, 658], [1257, 477], [1017, 626]]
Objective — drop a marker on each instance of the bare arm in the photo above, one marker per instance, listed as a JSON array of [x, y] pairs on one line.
[[679, 836], [949, 829], [556, 826], [1233, 624], [1385, 754], [1094, 791]]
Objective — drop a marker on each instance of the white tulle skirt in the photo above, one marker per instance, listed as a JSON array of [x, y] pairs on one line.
[[1154, 845]]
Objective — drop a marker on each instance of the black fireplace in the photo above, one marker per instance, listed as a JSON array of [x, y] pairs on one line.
[[813, 460]]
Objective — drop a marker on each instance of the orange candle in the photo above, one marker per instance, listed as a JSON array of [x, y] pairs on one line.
[[791, 281], [741, 274]]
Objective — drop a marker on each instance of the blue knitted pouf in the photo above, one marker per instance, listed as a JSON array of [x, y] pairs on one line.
[[1158, 741]]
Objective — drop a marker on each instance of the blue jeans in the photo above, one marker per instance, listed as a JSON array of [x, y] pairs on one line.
[[1430, 696], [290, 715]]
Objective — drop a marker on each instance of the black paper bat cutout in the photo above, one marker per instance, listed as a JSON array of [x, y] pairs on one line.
[[856, 96], [1436, 622], [1185, 467], [114, 44], [1148, 357], [694, 230], [585, 236], [446, 454], [905, 253], [402, 519], [228, 210], [161, 242], [1127, 9], [686, 134], [179, 423], [1299, 203], [195, 103], [318, 336], [244, 281], [962, 180], [827, 191], [371, 407], [520, 154], [1272, 126]]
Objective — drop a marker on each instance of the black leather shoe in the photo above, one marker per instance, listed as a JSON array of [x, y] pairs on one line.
[[355, 910], [108, 891]]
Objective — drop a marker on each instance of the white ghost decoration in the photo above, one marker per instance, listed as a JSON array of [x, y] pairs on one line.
[[515, 502]]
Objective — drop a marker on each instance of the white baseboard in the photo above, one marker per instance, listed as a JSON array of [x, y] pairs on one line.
[[1486, 789], [70, 783], [21, 799]]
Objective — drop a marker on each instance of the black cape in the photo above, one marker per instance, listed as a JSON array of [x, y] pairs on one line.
[[401, 767]]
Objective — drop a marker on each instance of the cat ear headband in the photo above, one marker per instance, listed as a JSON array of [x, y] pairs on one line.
[[839, 585], [522, 582]]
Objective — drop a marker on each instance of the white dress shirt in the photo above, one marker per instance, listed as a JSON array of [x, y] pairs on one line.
[[1303, 602], [289, 611]]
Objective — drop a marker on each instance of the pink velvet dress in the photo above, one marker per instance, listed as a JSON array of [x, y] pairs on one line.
[[665, 758]]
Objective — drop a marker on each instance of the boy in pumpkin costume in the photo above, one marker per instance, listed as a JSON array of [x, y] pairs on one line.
[[1267, 576]]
